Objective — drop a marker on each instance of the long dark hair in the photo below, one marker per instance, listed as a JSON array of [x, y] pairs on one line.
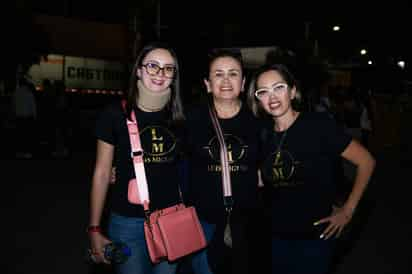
[[174, 107]]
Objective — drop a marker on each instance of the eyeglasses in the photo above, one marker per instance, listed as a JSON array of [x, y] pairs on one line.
[[154, 69], [275, 89]]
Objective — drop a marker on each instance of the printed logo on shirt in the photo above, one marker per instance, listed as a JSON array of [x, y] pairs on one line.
[[282, 167], [158, 144], [236, 151]]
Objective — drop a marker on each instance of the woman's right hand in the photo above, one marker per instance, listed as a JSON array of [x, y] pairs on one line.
[[97, 244]]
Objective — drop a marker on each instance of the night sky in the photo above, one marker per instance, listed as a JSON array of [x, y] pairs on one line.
[[193, 27], [383, 28]]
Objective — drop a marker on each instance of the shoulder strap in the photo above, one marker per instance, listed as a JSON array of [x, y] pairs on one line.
[[137, 157], [227, 186]]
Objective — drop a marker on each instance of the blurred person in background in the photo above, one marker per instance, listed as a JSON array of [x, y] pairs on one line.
[[25, 113]]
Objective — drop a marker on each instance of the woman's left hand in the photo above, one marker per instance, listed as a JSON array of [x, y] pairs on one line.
[[340, 217]]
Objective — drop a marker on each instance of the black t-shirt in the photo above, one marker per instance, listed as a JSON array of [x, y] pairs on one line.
[[161, 145], [301, 177], [205, 179]]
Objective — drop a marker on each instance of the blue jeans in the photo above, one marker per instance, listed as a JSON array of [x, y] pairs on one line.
[[301, 256], [200, 264], [130, 231]]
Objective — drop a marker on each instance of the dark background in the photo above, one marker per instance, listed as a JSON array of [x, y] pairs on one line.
[[45, 199]]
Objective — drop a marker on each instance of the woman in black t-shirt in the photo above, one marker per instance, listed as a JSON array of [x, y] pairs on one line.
[[154, 95], [224, 83], [298, 172]]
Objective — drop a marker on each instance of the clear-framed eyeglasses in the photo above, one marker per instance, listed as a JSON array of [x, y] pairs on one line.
[[278, 88], [154, 69]]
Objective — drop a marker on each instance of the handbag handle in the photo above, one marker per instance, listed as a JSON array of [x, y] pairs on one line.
[[226, 182]]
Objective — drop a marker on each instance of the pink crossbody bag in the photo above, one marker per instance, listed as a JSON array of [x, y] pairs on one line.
[[171, 233]]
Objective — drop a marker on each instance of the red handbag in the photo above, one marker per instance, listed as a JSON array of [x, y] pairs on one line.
[[173, 232], [170, 233]]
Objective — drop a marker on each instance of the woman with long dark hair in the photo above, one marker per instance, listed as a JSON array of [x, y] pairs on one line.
[[154, 96]]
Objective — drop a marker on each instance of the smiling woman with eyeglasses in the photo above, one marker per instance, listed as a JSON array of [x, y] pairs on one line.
[[154, 96], [299, 173]]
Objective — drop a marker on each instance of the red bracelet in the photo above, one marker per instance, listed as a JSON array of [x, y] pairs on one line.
[[93, 228]]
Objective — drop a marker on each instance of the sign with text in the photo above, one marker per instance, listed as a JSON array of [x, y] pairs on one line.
[[80, 72], [93, 73]]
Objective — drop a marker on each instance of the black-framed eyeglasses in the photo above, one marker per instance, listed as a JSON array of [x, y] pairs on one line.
[[154, 69], [275, 89]]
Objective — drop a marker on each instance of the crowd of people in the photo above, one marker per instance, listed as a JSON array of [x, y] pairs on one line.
[[283, 168]]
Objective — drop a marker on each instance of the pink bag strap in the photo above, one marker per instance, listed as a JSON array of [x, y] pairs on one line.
[[137, 157], [226, 182]]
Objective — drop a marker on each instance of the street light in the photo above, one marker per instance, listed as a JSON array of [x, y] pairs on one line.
[[401, 64], [336, 28]]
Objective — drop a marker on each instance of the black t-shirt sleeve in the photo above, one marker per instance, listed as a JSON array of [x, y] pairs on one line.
[[334, 135], [105, 125]]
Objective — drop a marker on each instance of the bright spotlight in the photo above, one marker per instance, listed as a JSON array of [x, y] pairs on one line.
[[401, 64]]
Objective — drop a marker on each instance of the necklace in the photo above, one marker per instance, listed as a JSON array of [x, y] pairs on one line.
[[280, 144], [283, 137]]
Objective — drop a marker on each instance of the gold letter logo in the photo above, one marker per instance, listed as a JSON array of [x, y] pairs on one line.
[[154, 137], [229, 153], [278, 172], [157, 148]]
